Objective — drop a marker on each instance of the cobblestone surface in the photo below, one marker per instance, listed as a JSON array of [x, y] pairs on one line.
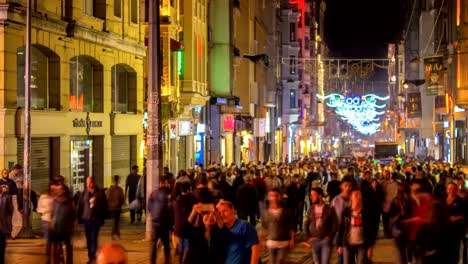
[[31, 251]]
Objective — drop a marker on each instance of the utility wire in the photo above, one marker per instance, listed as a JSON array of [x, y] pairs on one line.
[[410, 20]]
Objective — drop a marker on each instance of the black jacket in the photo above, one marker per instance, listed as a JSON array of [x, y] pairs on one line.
[[329, 223], [99, 212], [368, 224], [246, 198], [6, 212], [160, 207]]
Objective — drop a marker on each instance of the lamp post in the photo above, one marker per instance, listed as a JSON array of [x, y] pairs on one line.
[[154, 160], [26, 230]]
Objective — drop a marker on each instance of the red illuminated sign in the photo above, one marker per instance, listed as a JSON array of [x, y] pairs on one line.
[[228, 123]]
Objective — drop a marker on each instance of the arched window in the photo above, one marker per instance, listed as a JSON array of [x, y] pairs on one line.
[[45, 78], [123, 89], [86, 84]]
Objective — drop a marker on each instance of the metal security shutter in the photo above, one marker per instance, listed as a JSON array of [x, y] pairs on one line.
[[40, 162], [121, 157]]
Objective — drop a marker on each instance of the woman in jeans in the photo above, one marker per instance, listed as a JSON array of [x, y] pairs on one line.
[[355, 236], [277, 228]]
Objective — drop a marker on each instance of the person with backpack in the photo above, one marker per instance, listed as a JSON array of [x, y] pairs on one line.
[[115, 198], [92, 211], [62, 218]]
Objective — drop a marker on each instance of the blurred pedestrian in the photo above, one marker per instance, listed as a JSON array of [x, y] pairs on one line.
[[355, 236], [115, 199], [62, 221], [6, 212], [278, 230], [246, 198], [92, 211], [45, 208], [131, 185], [160, 208]]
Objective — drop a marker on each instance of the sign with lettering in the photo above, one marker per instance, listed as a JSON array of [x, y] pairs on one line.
[[434, 73], [86, 123]]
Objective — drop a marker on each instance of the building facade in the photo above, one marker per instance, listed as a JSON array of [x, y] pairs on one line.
[[87, 62]]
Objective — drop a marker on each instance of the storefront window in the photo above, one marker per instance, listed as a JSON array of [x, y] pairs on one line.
[[123, 89], [41, 74], [83, 83]]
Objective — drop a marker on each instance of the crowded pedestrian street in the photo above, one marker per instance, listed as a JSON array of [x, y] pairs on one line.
[[31, 251], [233, 131]]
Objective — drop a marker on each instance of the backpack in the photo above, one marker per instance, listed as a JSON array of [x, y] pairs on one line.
[[62, 221]]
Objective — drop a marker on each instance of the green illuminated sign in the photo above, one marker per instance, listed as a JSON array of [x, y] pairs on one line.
[[180, 63]]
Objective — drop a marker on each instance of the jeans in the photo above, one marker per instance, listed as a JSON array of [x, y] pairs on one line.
[[300, 215], [92, 234], [261, 208], [116, 227], [402, 246], [53, 245], [277, 255], [321, 251], [386, 224], [354, 255], [160, 233], [3, 239], [183, 249], [465, 250]]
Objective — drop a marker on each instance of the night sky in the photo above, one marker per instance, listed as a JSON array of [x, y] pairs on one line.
[[363, 28]]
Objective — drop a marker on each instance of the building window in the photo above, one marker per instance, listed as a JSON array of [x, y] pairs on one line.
[[292, 99], [45, 78], [86, 84], [134, 11], [292, 64], [123, 89], [89, 7], [292, 31], [118, 8], [96, 8]]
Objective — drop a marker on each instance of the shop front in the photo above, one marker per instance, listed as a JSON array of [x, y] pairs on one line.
[[227, 138], [77, 145]]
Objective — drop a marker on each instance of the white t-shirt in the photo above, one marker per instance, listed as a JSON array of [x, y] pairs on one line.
[[318, 212]]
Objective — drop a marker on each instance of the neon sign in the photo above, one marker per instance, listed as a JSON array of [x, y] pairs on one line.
[[361, 112]]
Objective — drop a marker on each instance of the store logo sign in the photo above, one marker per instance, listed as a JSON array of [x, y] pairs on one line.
[[87, 123]]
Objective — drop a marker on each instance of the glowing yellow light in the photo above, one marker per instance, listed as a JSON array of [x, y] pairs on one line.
[[447, 102], [458, 71], [458, 12]]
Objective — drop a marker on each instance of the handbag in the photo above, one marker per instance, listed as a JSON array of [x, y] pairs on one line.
[[135, 205]]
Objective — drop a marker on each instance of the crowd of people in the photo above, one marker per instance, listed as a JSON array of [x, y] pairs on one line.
[[229, 214]]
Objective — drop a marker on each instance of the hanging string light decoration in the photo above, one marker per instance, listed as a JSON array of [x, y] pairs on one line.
[[361, 112]]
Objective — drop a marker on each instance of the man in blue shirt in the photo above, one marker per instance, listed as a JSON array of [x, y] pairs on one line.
[[239, 237]]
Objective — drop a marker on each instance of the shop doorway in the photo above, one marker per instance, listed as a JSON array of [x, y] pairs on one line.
[[81, 164]]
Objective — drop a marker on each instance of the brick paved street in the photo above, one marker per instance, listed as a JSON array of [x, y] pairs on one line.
[[31, 251]]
